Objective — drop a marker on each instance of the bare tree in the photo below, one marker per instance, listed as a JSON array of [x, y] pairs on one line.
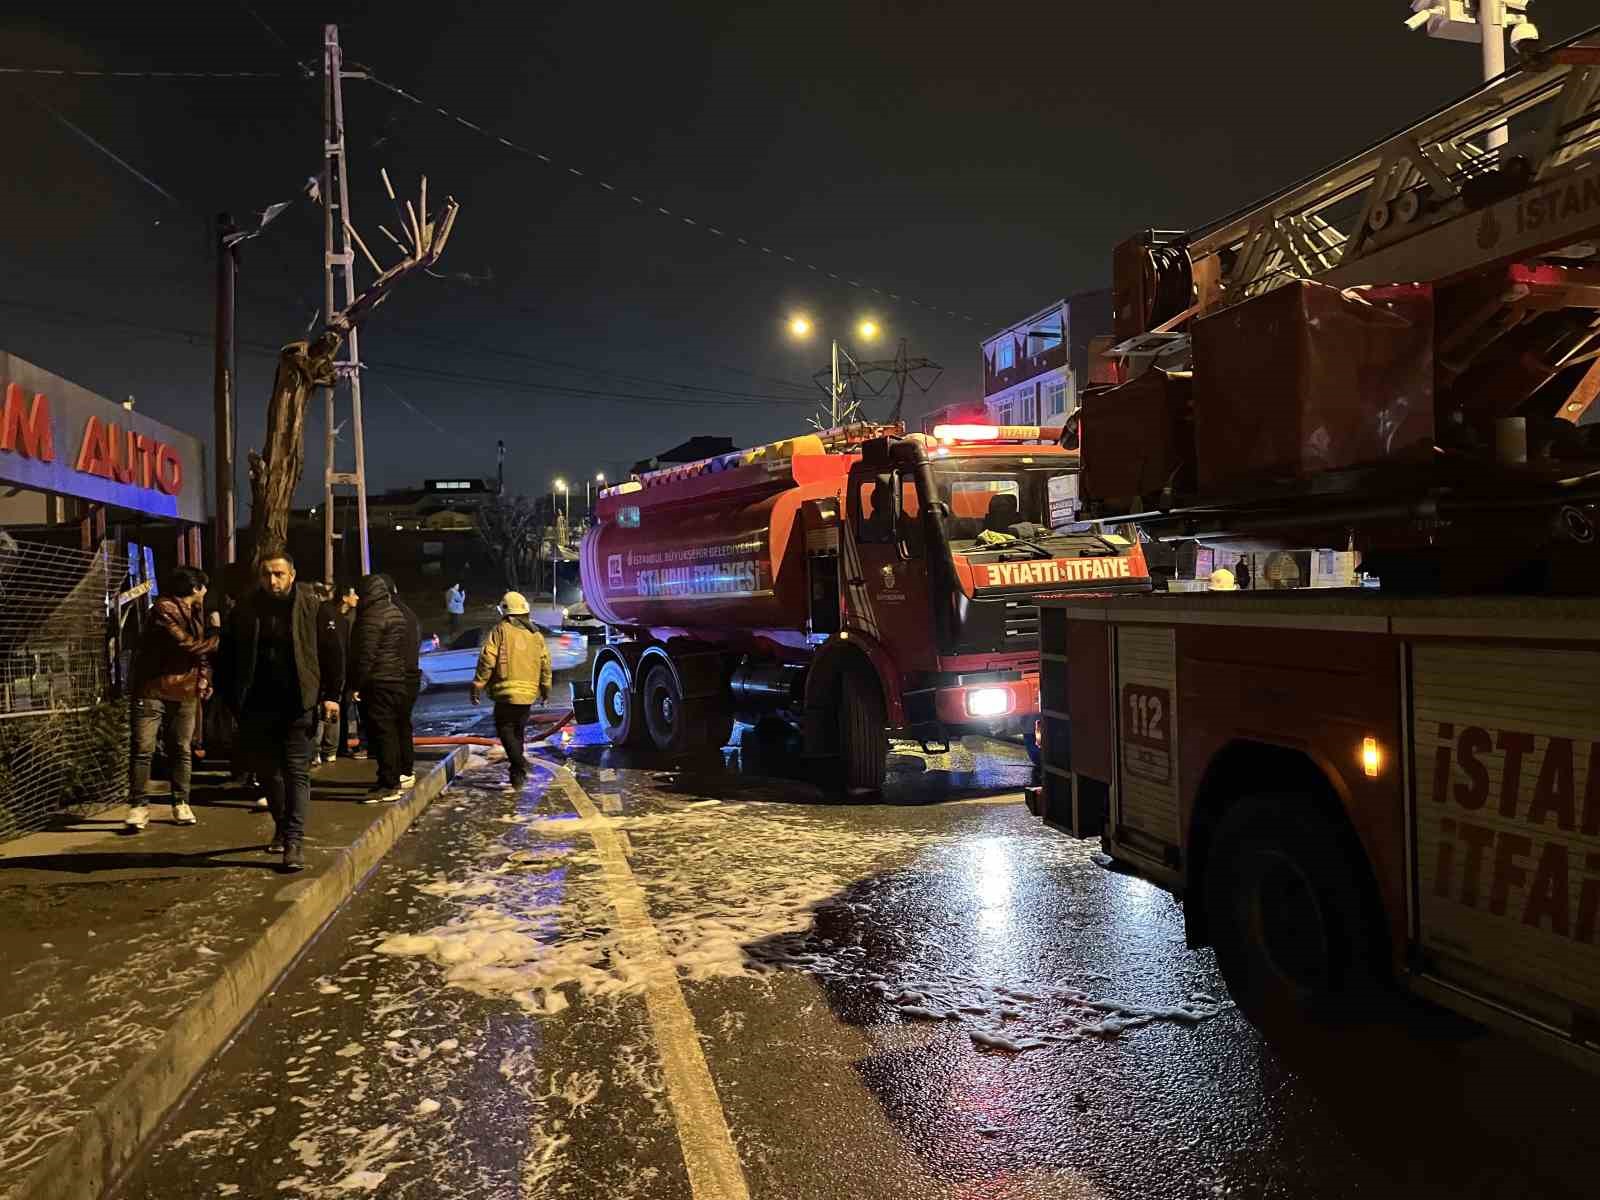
[[510, 527], [275, 471]]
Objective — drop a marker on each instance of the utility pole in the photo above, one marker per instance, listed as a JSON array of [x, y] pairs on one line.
[[500, 482], [222, 420], [1484, 21], [339, 263]]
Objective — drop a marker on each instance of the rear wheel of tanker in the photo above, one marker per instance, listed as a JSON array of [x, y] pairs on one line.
[[667, 718], [863, 747], [1289, 913], [619, 711]]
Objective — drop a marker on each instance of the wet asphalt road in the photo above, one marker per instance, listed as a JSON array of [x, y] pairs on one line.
[[641, 979]]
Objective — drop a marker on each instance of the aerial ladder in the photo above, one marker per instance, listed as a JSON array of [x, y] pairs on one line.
[[1508, 237]]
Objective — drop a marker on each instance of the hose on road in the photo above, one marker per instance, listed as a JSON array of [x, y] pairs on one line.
[[535, 734]]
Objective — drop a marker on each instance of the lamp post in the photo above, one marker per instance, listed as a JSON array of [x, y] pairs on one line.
[[1486, 22], [867, 330], [559, 485]]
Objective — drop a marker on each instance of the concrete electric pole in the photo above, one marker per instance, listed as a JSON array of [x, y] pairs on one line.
[[339, 267], [223, 414]]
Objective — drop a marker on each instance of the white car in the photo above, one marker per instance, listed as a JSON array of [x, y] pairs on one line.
[[444, 664]]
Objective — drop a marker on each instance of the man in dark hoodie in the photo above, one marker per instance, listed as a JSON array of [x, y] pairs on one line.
[[279, 672], [408, 739], [382, 661]]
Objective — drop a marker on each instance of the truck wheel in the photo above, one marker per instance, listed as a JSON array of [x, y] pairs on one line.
[[863, 748], [620, 717], [668, 719], [1285, 903]]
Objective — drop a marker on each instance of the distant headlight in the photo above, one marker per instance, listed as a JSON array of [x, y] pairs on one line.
[[988, 702]]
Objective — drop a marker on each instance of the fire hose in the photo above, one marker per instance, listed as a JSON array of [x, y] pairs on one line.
[[537, 734]]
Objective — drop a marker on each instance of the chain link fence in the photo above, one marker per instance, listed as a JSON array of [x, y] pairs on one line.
[[63, 731]]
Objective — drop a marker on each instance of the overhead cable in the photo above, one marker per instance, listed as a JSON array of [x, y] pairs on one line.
[[646, 205]]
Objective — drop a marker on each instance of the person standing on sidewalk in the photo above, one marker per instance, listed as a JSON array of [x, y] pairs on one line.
[[407, 735], [381, 662], [336, 618], [281, 672], [514, 665], [455, 603], [171, 676]]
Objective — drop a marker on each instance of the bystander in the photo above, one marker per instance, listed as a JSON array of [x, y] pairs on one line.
[[279, 670], [380, 665], [171, 676]]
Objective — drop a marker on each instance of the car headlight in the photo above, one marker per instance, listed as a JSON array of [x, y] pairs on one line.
[[988, 702]]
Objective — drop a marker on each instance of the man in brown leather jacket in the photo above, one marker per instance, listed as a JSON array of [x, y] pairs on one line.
[[171, 675]]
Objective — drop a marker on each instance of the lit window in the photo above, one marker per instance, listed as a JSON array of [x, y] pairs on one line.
[[1005, 354], [1054, 398], [1023, 400], [1002, 412]]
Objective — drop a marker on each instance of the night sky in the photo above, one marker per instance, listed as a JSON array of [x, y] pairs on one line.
[[980, 159]]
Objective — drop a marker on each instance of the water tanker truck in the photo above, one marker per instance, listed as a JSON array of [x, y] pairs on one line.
[[857, 583]]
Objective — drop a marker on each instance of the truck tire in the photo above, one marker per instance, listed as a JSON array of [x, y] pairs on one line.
[[863, 746], [621, 717], [1288, 910]]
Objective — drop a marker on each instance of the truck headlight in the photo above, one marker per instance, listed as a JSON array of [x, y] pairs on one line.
[[988, 702]]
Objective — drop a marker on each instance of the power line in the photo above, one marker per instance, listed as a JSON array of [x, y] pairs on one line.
[[649, 206], [85, 73], [268, 350]]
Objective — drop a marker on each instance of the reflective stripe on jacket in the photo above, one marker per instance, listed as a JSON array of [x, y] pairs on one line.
[[514, 664]]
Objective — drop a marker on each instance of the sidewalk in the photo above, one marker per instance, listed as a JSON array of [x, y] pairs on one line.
[[130, 960]]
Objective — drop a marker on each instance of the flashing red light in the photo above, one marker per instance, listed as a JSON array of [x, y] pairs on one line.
[[966, 433]]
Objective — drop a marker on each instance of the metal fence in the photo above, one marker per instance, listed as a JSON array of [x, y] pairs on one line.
[[63, 732]]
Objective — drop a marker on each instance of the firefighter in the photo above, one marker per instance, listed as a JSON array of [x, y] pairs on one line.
[[514, 666]]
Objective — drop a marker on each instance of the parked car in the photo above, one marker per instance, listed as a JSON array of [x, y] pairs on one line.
[[452, 663], [575, 616]]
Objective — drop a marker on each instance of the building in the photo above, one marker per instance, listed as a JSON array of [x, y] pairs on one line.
[[696, 448], [1033, 370]]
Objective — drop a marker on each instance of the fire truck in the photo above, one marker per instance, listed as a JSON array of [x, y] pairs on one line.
[[1354, 788], [855, 583]]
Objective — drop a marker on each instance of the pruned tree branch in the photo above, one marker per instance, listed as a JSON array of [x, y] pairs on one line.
[[303, 365]]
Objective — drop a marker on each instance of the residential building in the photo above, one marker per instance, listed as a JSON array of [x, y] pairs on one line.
[[698, 447], [1033, 370]]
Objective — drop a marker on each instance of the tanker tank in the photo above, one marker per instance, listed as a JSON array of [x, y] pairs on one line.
[[709, 546]]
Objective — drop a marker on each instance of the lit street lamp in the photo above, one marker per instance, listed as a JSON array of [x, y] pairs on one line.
[[867, 330], [600, 484]]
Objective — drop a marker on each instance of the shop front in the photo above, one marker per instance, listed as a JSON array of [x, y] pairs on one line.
[[94, 498]]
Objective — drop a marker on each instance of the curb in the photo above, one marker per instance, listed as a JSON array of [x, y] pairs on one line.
[[112, 1135]]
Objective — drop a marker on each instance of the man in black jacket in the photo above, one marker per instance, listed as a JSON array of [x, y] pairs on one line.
[[407, 736], [381, 664], [279, 670]]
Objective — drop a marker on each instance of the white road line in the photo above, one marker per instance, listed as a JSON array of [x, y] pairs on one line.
[[713, 1164]]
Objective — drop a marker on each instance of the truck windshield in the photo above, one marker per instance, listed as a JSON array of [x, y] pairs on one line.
[[997, 493]]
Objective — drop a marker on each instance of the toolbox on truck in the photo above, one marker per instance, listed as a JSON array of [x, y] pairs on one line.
[[1137, 444], [1309, 378]]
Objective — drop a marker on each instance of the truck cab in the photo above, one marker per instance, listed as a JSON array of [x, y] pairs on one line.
[[1006, 535]]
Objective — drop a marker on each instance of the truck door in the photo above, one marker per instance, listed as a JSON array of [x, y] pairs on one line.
[[886, 588], [820, 521]]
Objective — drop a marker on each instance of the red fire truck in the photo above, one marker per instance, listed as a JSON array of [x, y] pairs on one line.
[[858, 582], [1398, 783]]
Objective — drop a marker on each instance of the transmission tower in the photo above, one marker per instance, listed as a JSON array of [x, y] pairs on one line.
[[860, 381]]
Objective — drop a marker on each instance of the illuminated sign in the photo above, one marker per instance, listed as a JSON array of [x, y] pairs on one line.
[[58, 437]]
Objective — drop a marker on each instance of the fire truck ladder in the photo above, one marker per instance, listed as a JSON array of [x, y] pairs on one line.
[[1431, 203]]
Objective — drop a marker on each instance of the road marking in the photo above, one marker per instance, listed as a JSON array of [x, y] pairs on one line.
[[713, 1164]]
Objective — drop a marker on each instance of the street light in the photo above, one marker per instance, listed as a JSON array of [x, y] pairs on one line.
[[867, 329], [1485, 22], [600, 483]]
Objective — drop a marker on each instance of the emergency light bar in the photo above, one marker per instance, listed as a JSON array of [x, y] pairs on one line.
[[996, 433]]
